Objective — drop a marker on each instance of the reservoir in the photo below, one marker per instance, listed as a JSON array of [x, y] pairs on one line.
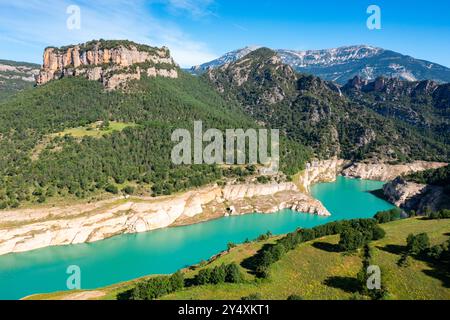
[[164, 251]]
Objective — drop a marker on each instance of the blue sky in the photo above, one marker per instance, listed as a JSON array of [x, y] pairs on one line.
[[197, 31]]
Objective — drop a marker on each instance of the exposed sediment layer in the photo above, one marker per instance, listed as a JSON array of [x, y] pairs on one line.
[[387, 172], [24, 230], [28, 229]]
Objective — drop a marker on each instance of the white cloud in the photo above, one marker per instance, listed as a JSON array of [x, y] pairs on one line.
[[39, 24], [197, 8]]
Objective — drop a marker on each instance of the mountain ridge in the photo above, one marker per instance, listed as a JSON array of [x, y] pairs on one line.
[[319, 114], [343, 63]]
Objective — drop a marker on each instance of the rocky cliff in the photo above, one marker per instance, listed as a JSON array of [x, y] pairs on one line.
[[319, 171], [387, 172], [413, 196], [111, 62], [24, 230]]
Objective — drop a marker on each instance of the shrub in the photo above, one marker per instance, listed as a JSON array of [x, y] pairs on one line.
[[417, 244], [128, 190], [203, 277], [378, 233], [351, 240], [112, 189], [225, 273], [231, 245], [233, 274], [442, 214], [388, 216], [265, 236], [157, 287], [218, 274], [294, 297]]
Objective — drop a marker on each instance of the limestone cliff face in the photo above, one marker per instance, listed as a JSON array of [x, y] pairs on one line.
[[387, 172], [319, 171], [414, 196], [111, 62], [24, 230]]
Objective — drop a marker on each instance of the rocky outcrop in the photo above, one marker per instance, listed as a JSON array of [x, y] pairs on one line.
[[387, 172], [23, 230], [413, 196], [319, 171], [111, 62]]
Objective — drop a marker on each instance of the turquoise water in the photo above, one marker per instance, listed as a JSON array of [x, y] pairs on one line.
[[167, 250]]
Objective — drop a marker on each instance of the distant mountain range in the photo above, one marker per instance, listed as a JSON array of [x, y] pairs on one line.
[[16, 76], [344, 63]]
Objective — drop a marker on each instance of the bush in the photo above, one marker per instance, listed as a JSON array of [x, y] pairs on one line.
[[440, 252], [231, 245], [233, 274], [265, 236], [442, 214], [177, 281], [388, 216], [225, 273], [128, 190], [203, 277], [351, 240], [417, 244], [218, 274], [157, 287], [378, 233], [112, 189]]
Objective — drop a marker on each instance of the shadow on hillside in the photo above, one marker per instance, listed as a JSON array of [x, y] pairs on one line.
[[251, 263], [347, 284], [126, 295], [325, 246], [438, 270], [393, 248]]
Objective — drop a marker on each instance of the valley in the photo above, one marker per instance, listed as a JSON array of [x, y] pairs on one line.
[[87, 178]]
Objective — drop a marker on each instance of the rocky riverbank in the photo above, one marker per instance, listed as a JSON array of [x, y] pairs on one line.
[[24, 230], [28, 229], [387, 172], [413, 196]]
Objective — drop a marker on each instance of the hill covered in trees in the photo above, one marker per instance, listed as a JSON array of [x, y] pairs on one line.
[[37, 163], [332, 121], [16, 76]]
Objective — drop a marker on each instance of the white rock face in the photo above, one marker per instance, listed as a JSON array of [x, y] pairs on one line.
[[24, 230], [320, 171], [387, 172], [413, 196]]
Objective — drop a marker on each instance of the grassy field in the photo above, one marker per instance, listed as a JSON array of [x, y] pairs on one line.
[[316, 270], [95, 130]]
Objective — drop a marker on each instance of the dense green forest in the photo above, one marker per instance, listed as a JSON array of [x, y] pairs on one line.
[[437, 177], [15, 76], [138, 155]]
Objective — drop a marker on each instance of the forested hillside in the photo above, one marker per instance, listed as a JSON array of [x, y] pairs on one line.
[[16, 76], [36, 164], [424, 105], [316, 113]]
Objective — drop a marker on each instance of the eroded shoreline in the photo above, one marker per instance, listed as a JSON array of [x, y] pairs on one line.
[[32, 229]]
